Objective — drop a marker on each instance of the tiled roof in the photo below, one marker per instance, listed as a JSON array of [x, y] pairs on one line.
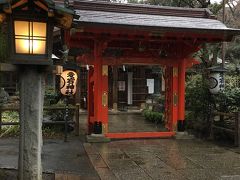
[[156, 18], [141, 9], [130, 19]]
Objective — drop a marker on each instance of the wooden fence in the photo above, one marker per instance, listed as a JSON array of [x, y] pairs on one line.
[[48, 108], [227, 122]]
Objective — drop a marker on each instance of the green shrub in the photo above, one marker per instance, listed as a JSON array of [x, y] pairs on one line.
[[229, 99], [154, 117], [198, 105], [11, 130], [50, 96]]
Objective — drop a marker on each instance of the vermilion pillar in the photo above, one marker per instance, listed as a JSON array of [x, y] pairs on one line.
[[171, 101], [104, 100], [97, 77], [175, 96], [115, 88], [90, 100], [181, 89], [100, 90], [168, 99]]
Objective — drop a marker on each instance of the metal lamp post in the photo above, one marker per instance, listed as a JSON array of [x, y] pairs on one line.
[[68, 87], [31, 38]]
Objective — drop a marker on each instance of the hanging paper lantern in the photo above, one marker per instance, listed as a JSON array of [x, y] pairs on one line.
[[216, 79], [68, 83]]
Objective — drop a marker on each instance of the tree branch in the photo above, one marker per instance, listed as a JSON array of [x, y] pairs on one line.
[[188, 3]]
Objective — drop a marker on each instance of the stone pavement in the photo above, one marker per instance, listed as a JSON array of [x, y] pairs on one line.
[[58, 158], [132, 122], [163, 159], [167, 159], [160, 159], [124, 122]]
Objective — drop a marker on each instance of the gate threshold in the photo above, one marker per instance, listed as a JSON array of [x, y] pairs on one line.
[[132, 135]]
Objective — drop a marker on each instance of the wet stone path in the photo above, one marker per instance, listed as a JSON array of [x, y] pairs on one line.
[[125, 122], [132, 123], [163, 159], [58, 157]]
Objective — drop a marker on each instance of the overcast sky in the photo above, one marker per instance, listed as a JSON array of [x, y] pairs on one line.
[[212, 1], [217, 1]]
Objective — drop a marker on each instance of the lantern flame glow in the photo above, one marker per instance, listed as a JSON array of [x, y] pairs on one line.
[[30, 37]]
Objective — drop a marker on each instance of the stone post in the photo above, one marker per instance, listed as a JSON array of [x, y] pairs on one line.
[[31, 115]]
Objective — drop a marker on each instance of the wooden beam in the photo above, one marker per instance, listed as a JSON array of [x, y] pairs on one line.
[[19, 3], [139, 61], [200, 36], [41, 5], [88, 59], [128, 39]]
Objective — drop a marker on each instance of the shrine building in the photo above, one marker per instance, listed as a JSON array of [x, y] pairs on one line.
[[130, 51]]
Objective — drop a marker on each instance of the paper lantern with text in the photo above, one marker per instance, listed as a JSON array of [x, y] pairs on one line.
[[68, 83], [216, 79]]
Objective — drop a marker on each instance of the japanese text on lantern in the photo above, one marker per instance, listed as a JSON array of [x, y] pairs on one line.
[[221, 81]]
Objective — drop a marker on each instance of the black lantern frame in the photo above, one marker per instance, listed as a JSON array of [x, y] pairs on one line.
[[31, 57]]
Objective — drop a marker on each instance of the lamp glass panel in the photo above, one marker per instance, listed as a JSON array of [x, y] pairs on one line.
[[22, 46], [21, 28], [30, 37], [39, 29], [39, 47]]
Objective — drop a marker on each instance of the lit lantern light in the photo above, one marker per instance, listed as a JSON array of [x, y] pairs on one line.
[[31, 41], [30, 37], [68, 83], [30, 32], [216, 79]]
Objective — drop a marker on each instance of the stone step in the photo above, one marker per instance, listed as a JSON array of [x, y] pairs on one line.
[[97, 138], [183, 135], [66, 176]]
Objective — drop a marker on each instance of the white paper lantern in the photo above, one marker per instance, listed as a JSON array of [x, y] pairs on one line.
[[216, 83], [216, 80], [68, 83]]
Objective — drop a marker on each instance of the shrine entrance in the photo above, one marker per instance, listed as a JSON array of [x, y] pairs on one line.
[[117, 35], [133, 91], [125, 85], [130, 87]]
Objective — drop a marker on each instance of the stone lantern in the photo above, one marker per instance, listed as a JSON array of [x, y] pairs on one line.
[[30, 39]]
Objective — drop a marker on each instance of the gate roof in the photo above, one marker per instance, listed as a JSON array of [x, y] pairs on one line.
[[137, 33], [151, 18]]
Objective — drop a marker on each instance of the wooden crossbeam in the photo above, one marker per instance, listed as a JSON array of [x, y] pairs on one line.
[[110, 33]]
